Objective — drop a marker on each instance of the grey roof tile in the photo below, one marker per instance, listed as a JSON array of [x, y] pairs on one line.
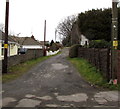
[[25, 40]]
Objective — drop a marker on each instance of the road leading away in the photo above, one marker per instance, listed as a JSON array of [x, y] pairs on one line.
[[56, 83]]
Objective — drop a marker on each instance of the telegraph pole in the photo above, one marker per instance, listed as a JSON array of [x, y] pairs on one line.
[[114, 38], [55, 34], [5, 62], [44, 53]]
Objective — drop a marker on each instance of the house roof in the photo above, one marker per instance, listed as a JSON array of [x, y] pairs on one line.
[[26, 40], [42, 42], [20, 40], [2, 37]]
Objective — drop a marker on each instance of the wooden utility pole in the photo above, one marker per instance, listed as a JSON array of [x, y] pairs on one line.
[[5, 62], [114, 38], [44, 51], [55, 34]]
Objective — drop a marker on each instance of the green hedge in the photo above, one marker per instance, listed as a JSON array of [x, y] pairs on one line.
[[73, 52], [99, 44], [54, 47]]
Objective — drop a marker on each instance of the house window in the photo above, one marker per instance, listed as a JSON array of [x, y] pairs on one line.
[[2, 52]]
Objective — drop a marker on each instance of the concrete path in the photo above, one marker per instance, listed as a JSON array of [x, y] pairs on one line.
[[56, 83]]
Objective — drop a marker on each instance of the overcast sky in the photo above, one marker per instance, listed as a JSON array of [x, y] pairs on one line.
[[27, 16]]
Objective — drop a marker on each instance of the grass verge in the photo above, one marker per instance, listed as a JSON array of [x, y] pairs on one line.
[[18, 70], [88, 72]]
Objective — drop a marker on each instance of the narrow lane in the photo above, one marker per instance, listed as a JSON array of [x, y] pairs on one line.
[[56, 83]]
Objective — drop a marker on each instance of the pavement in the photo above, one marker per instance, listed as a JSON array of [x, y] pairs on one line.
[[56, 83]]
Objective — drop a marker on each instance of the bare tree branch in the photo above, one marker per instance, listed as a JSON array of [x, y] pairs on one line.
[[65, 27], [2, 27]]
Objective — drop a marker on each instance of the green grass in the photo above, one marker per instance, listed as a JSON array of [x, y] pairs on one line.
[[91, 74], [18, 70]]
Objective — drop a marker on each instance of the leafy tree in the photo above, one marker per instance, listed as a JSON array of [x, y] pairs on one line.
[[51, 43], [66, 41], [2, 27], [96, 24], [47, 44]]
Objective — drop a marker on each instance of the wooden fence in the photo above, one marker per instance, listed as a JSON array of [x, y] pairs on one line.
[[118, 70], [101, 59]]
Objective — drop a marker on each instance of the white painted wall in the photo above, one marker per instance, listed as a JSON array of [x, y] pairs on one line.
[[52, 53], [83, 40], [0, 50], [12, 50], [32, 46]]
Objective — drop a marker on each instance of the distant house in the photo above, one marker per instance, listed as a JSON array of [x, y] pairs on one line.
[[13, 46], [28, 42], [84, 40]]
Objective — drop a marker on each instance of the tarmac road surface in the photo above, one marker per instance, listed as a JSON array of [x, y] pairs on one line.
[[56, 83]]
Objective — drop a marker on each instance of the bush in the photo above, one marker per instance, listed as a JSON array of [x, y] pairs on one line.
[[99, 44], [54, 47], [73, 52]]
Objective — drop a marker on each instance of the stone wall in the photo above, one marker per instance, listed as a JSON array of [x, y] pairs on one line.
[[30, 54]]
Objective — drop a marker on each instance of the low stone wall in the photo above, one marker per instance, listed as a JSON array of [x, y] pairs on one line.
[[30, 54]]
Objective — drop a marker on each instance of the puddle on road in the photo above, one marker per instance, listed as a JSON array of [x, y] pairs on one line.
[[58, 66]]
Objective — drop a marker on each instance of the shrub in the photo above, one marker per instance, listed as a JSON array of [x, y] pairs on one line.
[[54, 47], [73, 52], [99, 44]]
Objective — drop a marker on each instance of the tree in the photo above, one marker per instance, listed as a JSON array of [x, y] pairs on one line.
[[66, 41], [51, 43], [64, 28], [2, 27], [96, 24]]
